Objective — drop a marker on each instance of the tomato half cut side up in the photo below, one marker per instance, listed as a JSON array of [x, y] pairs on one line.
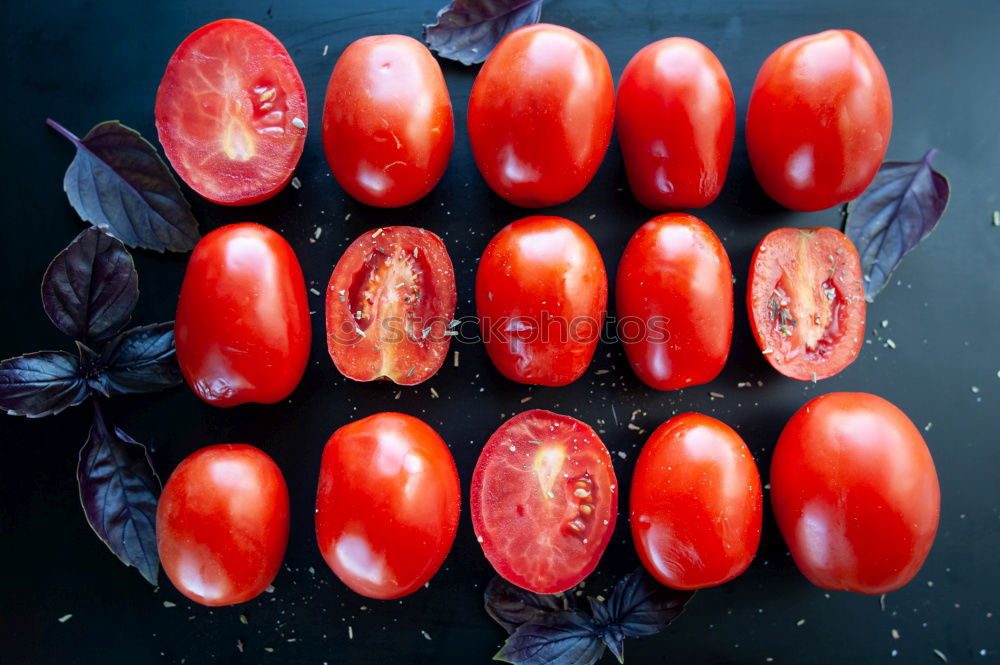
[[806, 301], [231, 112], [390, 306], [544, 501]]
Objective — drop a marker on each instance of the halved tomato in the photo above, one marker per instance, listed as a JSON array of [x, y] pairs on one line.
[[231, 112], [544, 500], [806, 301], [390, 306]]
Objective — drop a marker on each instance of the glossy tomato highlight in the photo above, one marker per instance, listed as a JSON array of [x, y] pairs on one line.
[[387, 123], [695, 504], [855, 493], [231, 112], [387, 506], [544, 500], [541, 114], [390, 306], [819, 120], [675, 302], [675, 117], [222, 524], [806, 301], [541, 295], [242, 330]]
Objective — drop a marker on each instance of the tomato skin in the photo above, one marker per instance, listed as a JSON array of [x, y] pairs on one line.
[[695, 505], [675, 278], [240, 147], [387, 122], [811, 280], [242, 330], [676, 117], [222, 524], [536, 278], [541, 114], [544, 500], [402, 282], [855, 493], [387, 505], [819, 120]]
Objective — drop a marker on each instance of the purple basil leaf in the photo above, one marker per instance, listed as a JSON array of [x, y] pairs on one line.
[[468, 30], [900, 208], [510, 605], [640, 606], [118, 491], [119, 184], [91, 287], [554, 638], [139, 360], [611, 634], [41, 384]]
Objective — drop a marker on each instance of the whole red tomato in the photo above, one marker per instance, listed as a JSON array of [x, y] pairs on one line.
[[387, 506], [806, 301], [855, 493], [675, 117], [390, 306], [819, 120], [222, 524], [695, 504], [541, 114], [541, 295], [242, 328], [675, 302], [387, 124], [231, 112], [544, 500]]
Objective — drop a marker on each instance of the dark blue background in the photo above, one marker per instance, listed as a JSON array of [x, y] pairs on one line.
[[84, 62]]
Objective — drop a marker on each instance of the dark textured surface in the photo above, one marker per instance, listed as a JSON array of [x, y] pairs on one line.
[[84, 62]]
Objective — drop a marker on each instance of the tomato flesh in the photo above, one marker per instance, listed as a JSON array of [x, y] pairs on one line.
[[695, 504], [855, 493], [387, 505], [390, 306], [231, 112], [544, 501], [806, 301], [222, 524]]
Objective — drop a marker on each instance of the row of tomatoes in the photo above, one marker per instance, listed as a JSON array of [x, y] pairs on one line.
[[243, 331], [853, 488], [231, 114]]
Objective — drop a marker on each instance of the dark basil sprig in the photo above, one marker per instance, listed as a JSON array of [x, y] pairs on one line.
[[900, 208], [118, 491], [119, 184], [90, 291], [468, 30], [551, 630]]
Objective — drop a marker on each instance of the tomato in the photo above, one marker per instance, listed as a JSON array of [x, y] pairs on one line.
[[387, 506], [695, 504], [541, 295], [390, 306], [222, 524], [675, 118], [387, 123], [855, 493], [541, 114], [819, 120], [544, 501], [242, 330], [231, 112], [675, 302], [806, 301]]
